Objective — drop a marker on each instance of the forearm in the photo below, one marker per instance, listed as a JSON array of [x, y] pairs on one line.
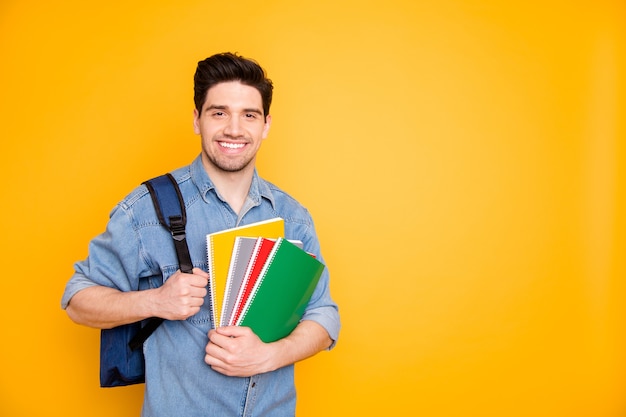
[[104, 307], [307, 339]]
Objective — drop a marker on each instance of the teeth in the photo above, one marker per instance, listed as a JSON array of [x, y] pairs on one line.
[[232, 145]]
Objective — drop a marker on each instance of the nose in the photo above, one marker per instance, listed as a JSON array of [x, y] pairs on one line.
[[233, 127]]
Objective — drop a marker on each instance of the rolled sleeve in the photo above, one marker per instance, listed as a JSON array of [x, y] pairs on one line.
[[77, 283], [114, 259], [328, 318], [321, 308]]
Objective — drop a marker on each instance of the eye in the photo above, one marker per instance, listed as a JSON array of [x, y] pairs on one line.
[[250, 116]]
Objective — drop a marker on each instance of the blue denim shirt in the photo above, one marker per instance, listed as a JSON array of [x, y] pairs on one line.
[[135, 252]]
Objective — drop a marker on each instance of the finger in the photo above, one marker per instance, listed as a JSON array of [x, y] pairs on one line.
[[214, 362], [202, 273], [195, 272], [233, 331], [198, 292], [218, 340], [195, 302], [195, 280]]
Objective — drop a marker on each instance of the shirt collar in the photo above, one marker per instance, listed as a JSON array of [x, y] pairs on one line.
[[258, 189]]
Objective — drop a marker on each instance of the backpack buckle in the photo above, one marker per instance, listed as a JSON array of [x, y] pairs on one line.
[[177, 227]]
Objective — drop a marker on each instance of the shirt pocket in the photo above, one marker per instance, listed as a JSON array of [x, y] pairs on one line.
[[202, 319]]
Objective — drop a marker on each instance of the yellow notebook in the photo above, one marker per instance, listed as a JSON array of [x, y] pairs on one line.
[[219, 250]]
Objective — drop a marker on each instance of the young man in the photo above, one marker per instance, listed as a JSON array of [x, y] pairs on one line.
[[192, 369]]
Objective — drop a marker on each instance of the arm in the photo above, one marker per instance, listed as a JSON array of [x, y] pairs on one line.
[[181, 296], [237, 351], [103, 292]]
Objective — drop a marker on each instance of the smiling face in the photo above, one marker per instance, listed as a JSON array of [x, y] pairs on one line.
[[232, 126]]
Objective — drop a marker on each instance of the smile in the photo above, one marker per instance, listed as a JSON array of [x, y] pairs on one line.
[[232, 145]]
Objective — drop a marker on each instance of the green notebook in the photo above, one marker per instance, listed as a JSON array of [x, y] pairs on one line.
[[282, 292]]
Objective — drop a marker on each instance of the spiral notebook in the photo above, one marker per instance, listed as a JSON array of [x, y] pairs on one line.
[[246, 262], [254, 265], [219, 250], [239, 263], [281, 292]]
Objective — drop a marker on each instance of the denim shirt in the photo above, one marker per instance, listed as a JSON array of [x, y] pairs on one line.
[[135, 252]]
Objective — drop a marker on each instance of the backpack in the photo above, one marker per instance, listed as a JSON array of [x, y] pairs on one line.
[[121, 357]]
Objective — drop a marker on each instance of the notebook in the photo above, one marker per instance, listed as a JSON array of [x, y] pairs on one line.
[[282, 291], [219, 249], [260, 253], [242, 253]]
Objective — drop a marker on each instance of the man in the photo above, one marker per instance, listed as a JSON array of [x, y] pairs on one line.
[[192, 369]]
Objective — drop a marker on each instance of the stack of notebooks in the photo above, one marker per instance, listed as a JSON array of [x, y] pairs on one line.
[[259, 279]]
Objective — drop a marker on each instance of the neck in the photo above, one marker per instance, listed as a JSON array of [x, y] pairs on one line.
[[233, 187]]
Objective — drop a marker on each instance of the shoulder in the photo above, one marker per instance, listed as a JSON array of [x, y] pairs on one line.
[[299, 223], [286, 206], [281, 197], [138, 204]]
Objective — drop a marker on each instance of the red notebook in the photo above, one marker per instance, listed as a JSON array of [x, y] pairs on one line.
[[255, 265]]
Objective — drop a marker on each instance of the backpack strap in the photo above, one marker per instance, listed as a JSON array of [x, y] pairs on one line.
[[170, 208]]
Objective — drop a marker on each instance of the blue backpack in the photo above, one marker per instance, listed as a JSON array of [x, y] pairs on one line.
[[121, 357]]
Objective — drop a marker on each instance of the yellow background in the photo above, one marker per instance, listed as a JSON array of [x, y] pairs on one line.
[[464, 162]]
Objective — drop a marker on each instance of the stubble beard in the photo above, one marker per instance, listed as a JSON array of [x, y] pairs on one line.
[[229, 165]]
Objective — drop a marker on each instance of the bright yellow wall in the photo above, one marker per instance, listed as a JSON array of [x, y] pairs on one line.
[[464, 161]]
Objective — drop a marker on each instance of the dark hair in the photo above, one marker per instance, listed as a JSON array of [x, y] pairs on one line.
[[226, 67]]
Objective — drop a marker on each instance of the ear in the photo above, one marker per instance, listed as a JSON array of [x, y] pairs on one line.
[[196, 126], [266, 128]]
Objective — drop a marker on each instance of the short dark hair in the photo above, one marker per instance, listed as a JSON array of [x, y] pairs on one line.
[[225, 67]]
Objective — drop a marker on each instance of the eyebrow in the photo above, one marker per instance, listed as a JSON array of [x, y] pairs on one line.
[[224, 107]]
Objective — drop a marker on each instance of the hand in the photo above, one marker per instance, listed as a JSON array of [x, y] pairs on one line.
[[182, 295], [237, 351]]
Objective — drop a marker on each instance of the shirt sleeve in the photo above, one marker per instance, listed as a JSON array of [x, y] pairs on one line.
[[321, 308], [115, 259]]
